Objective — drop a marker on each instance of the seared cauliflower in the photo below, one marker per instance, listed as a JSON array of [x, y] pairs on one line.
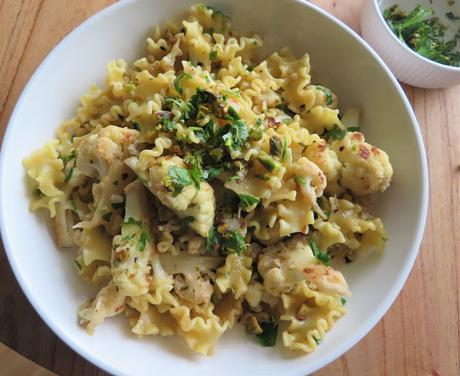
[[284, 265], [320, 153], [96, 152], [132, 249], [196, 203], [366, 168]]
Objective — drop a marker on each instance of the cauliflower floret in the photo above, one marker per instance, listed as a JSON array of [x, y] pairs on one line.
[[326, 159], [96, 152], [366, 168], [192, 202], [108, 302], [132, 249], [284, 265], [305, 170], [192, 275]]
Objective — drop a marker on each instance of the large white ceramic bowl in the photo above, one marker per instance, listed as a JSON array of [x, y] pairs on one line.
[[406, 64], [340, 60]]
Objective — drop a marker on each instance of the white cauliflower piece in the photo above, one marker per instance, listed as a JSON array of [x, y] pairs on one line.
[[196, 203], [307, 171], [284, 265], [132, 249], [108, 302], [96, 152], [366, 168], [320, 153]]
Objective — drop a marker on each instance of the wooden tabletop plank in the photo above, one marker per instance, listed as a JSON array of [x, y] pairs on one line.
[[420, 334]]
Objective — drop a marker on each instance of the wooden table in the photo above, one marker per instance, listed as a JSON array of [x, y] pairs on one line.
[[420, 334]]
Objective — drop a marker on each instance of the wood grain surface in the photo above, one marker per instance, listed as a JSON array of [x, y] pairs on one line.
[[420, 334]]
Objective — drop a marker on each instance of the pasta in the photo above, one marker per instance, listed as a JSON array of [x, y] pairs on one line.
[[203, 186]]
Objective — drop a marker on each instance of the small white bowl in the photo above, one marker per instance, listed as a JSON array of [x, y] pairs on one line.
[[406, 64], [340, 59]]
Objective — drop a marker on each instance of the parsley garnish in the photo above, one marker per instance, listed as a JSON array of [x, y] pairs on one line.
[[320, 255], [187, 110], [107, 216], [247, 200], [213, 55], [452, 16], [343, 301], [285, 108], [178, 178], [218, 13], [210, 173], [143, 236], [228, 242], [317, 341], [77, 264], [177, 82], [66, 160], [335, 133], [186, 220], [327, 93], [212, 241], [236, 133], [270, 332], [353, 129]]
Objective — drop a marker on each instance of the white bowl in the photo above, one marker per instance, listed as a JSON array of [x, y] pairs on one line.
[[406, 64], [340, 60]]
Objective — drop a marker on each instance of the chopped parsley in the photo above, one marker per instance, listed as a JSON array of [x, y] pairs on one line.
[[186, 220], [335, 133], [71, 158], [187, 110], [353, 129], [285, 108], [247, 201], [143, 236], [107, 216], [177, 81], [213, 55], [178, 178], [452, 16], [343, 301], [210, 173], [217, 13], [235, 134], [77, 264], [320, 255], [327, 93], [317, 341], [269, 334], [228, 242]]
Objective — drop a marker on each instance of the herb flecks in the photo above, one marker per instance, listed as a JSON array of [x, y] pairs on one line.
[[323, 257], [143, 236]]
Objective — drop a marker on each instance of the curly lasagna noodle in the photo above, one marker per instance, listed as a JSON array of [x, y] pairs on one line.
[[203, 186]]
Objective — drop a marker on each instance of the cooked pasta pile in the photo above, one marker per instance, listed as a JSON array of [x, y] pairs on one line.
[[203, 187]]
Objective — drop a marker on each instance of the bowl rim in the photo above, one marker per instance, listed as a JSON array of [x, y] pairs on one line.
[[422, 59], [369, 323]]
